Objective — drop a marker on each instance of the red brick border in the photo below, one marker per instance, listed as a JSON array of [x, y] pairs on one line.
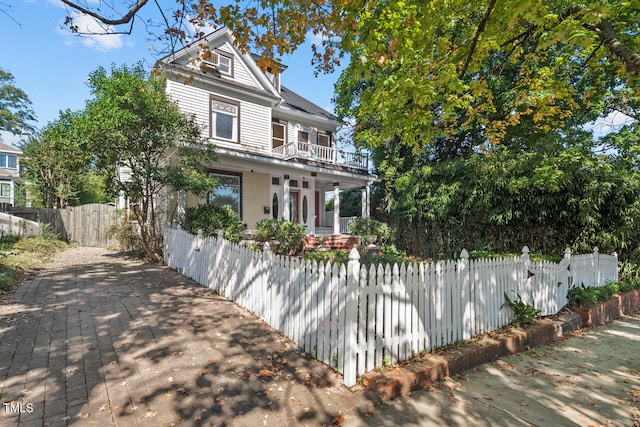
[[431, 369], [610, 310], [423, 373]]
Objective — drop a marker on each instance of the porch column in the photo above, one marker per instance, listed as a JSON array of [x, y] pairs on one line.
[[336, 208], [366, 204], [286, 215]]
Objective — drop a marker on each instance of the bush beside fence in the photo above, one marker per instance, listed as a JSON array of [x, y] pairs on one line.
[[355, 318]]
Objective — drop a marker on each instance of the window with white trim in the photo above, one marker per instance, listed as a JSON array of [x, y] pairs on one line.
[[225, 64], [8, 161], [303, 136], [5, 189], [225, 116], [279, 133], [324, 139]]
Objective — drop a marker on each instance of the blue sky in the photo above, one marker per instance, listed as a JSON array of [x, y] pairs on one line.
[[51, 65]]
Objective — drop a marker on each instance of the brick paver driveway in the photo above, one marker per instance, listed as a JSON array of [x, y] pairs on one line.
[[101, 340]]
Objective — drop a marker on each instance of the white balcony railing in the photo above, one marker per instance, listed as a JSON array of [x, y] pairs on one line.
[[319, 153]]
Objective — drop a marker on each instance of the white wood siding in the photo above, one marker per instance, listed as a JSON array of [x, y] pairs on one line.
[[255, 118], [240, 72]]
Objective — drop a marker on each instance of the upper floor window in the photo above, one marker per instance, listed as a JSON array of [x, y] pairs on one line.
[[225, 64], [303, 136], [324, 139], [279, 133], [8, 161], [225, 115]]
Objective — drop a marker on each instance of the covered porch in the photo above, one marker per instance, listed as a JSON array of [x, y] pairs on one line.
[[259, 187]]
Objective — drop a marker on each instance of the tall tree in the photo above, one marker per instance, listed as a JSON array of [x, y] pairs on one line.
[[56, 160], [130, 125], [15, 106], [430, 55]]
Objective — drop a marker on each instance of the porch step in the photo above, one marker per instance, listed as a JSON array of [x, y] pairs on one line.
[[339, 243]]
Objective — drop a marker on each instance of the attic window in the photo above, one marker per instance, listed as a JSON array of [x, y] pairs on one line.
[[225, 65], [218, 62]]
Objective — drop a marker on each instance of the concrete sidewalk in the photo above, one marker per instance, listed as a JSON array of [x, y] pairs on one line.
[[104, 341], [590, 379], [101, 340]]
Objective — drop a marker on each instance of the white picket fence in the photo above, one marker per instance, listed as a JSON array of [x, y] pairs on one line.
[[355, 318]]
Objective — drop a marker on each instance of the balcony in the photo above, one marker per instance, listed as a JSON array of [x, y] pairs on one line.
[[319, 153]]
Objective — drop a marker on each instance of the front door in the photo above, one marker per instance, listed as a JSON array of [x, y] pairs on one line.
[[294, 202]]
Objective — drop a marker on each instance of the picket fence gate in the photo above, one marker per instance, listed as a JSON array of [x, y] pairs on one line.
[[355, 318]]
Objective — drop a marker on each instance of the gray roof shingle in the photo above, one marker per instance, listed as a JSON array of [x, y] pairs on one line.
[[296, 102]]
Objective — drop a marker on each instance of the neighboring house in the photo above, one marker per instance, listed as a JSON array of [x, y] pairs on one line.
[[277, 155], [9, 175]]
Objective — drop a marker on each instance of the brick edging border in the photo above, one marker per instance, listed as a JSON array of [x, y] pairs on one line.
[[423, 373]]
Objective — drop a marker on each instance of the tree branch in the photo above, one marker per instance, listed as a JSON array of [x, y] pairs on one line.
[[623, 53], [126, 18], [474, 42]]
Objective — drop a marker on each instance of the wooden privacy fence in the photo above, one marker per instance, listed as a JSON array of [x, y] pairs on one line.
[[355, 318], [88, 225]]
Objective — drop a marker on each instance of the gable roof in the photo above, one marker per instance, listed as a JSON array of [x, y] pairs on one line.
[[296, 102], [285, 98], [218, 37], [9, 149]]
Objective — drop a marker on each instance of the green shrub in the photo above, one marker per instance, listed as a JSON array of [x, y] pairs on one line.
[[525, 313], [370, 227], [125, 232], [288, 234], [45, 242], [266, 230], [211, 218], [8, 242], [586, 296]]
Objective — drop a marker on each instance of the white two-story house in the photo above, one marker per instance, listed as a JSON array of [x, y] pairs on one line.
[[277, 155], [9, 175]]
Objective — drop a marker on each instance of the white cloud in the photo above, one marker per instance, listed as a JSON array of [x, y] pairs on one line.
[[611, 123], [91, 33]]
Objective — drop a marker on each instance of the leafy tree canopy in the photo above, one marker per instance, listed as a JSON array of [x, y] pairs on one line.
[[15, 106], [436, 57], [56, 160], [139, 138]]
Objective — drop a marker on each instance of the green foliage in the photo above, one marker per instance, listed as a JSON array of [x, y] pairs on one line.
[[508, 198], [288, 234], [342, 257], [46, 242], [371, 227], [525, 313], [93, 188], [57, 162], [586, 296], [210, 219], [350, 202], [8, 242], [130, 124], [124, 230], [15, 106]]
